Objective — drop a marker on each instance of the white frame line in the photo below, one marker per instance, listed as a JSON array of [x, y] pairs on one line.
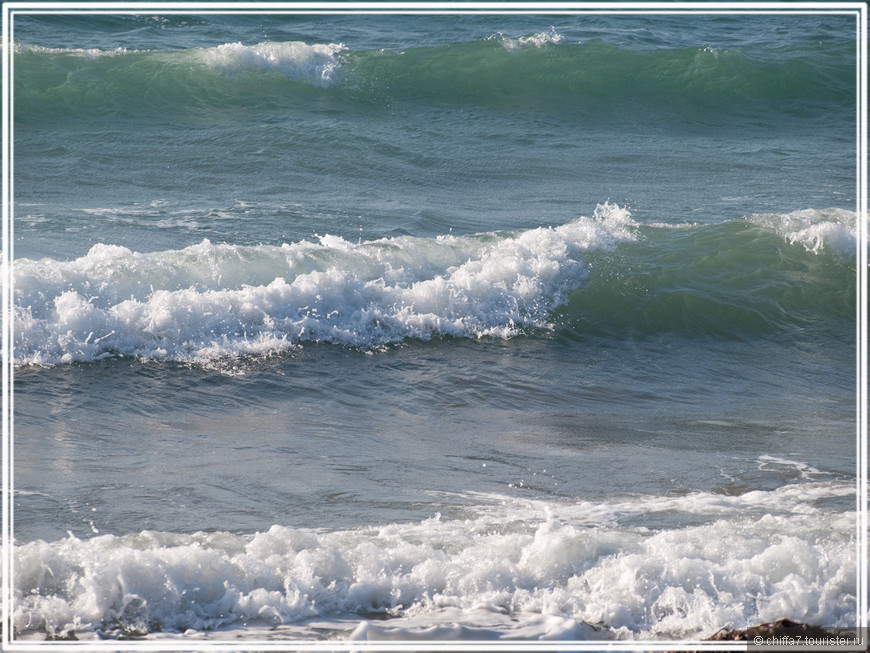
[[859, 9]]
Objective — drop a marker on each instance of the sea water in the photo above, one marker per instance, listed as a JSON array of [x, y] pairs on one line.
[[433, 327]]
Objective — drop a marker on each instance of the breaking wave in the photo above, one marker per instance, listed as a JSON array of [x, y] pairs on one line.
[[509, 569], [605, 273], [543, 69]]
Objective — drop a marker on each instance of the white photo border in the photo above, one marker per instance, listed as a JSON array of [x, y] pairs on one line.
[[10, 9]]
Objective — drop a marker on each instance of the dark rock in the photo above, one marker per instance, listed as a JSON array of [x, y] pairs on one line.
[[779, 631], [778, 628]]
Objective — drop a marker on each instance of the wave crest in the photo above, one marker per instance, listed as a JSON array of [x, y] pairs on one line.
[[533, 569], [592, 78], [538, 40], [209, 301], [315, 64], [829, 230]]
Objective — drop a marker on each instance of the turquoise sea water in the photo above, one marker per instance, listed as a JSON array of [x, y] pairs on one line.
[[433, 326]]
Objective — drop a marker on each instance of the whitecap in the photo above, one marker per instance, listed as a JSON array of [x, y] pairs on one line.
[[827, 230], [537, 40], [316, 64], [208, 301]]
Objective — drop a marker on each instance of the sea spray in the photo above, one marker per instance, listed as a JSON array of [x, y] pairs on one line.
[[313, 64], [831, 230]]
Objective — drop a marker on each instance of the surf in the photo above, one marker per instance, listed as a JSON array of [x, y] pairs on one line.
[[599, 274], [507, 568], [212, 300], [539, 70]]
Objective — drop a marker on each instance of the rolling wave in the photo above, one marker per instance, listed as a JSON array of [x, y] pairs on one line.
[[541, 69], [770, 275], [604, 274]]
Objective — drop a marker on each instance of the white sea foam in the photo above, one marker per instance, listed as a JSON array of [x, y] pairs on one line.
[[768, 462], [831, 230], [505, 568], [209, 301], [315, 64], [88, 53], [537, 40]]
